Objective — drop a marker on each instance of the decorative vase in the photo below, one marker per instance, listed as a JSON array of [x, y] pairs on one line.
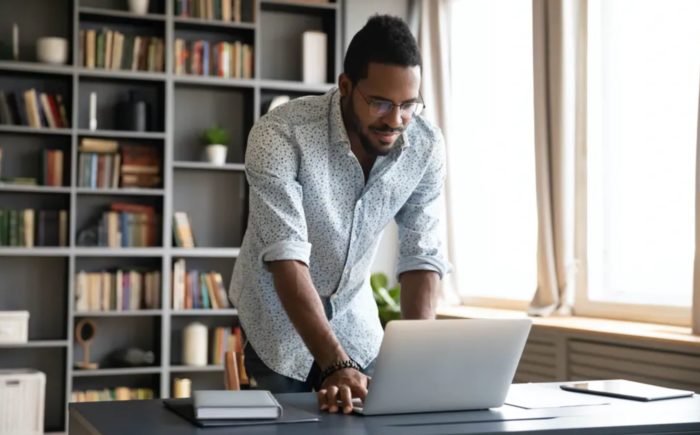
[[194, 345], [52, 50], [138, 7], [216, 154]]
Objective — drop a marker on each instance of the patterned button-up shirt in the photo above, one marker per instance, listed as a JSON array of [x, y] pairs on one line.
[[309, 202]]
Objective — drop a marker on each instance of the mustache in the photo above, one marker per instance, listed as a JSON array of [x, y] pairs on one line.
[[387, 129]]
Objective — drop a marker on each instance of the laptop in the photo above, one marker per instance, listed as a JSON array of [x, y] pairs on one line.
[[444, 365]]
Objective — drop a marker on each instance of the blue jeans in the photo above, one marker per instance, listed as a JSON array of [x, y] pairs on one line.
[[268, 379]]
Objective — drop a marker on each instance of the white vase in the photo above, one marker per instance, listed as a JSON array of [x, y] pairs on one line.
[[194, 345], [216, 154], [139, 7]]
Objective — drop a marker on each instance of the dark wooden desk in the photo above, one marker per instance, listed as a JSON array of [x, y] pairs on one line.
[[677, 416]]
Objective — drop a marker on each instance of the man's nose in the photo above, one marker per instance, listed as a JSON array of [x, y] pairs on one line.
[[393, 118]]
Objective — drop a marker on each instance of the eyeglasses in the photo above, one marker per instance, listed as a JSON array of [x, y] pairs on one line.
[[379, 108]]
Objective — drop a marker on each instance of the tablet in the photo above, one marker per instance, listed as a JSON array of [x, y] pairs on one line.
[[626, 390]]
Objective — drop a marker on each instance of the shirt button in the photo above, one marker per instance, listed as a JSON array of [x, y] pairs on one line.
[[359, 203]]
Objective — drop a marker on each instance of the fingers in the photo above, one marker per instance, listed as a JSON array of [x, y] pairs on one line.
[[346, 399], [332, 398], [321, 396]]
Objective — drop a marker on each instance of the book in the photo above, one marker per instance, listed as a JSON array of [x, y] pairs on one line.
[[182, 230], [246, 404]]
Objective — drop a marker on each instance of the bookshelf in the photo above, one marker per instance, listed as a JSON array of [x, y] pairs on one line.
[[42, 279]]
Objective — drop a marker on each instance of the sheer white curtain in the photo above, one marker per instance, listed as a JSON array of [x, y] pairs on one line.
[[430, 20]]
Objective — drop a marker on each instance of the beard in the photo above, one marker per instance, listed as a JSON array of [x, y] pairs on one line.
[[367, 144]]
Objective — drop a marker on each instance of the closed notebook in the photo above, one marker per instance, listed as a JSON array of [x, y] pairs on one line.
[[247, 404]]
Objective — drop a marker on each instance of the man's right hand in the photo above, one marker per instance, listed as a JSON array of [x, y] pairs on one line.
[[342, 386]]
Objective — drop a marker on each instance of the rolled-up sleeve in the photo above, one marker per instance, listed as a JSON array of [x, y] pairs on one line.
[[276, 208], [420, 235]]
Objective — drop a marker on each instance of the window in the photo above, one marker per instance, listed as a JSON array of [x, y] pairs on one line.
[[643, 74], [492, 177]]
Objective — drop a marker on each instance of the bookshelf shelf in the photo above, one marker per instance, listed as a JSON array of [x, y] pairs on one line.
[[186, 79], [35, 344], [130, 313], [206, 252], [294, 6], [284, 85], [180, 108], [208, 166], [118, 252], [33, 189], [194, 23], [114, 13], [196, 369], [117, 74], [117, 372], [23, 129], [8, 251], [35, 67], [208, 312], [122, 134], [120, 191]]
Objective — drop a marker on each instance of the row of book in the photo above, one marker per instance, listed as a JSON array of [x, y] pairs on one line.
[[113, 50], [225, 339], [120, 290], [107, 394], [51, 170], [33, 108], [128, 225], [28, 228], [223, 10], [220, 59], [197, 290], [106, 164]]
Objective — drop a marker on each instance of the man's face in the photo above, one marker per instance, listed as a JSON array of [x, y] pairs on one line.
[[376, 131]]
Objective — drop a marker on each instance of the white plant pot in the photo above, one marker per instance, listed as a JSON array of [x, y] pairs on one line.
[[138, 7], [216, 154], [52, 50]]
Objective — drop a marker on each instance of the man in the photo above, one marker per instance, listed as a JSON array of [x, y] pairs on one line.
[[327, 174]]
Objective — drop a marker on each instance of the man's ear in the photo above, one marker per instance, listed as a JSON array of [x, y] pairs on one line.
[[344, 85]]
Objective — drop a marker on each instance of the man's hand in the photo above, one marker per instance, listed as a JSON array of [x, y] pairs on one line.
[[342, 386]]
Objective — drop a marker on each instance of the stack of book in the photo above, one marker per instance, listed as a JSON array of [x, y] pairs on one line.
[[98, 163], [34, 109], [119, 393], [221, 59], [140, 166], [52, 167], [128, 225], [226, 339], [121, 290], [195, 290], [110, 49], [29, 228]]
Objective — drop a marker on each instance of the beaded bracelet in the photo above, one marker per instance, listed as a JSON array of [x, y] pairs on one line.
[[339, 365]]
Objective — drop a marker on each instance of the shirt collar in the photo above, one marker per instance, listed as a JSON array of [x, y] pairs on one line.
[[339, 135]]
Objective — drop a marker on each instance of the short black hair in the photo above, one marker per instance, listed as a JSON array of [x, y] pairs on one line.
[[384, 39]]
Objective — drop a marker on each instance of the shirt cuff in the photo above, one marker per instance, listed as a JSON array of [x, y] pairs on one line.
[[423, 262], [287, 250]]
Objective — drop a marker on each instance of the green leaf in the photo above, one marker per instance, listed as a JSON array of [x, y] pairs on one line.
[[378, 280], [388, 300]]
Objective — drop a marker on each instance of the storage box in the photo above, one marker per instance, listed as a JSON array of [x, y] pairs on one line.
[[13, 326], [22, 402]]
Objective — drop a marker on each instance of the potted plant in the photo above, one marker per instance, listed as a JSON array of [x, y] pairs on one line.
[[216, 140], [387, 299]]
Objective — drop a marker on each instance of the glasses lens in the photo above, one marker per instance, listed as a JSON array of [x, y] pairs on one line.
[[381, 108]]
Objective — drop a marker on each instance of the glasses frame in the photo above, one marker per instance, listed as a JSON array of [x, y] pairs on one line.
[[416, 112]]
